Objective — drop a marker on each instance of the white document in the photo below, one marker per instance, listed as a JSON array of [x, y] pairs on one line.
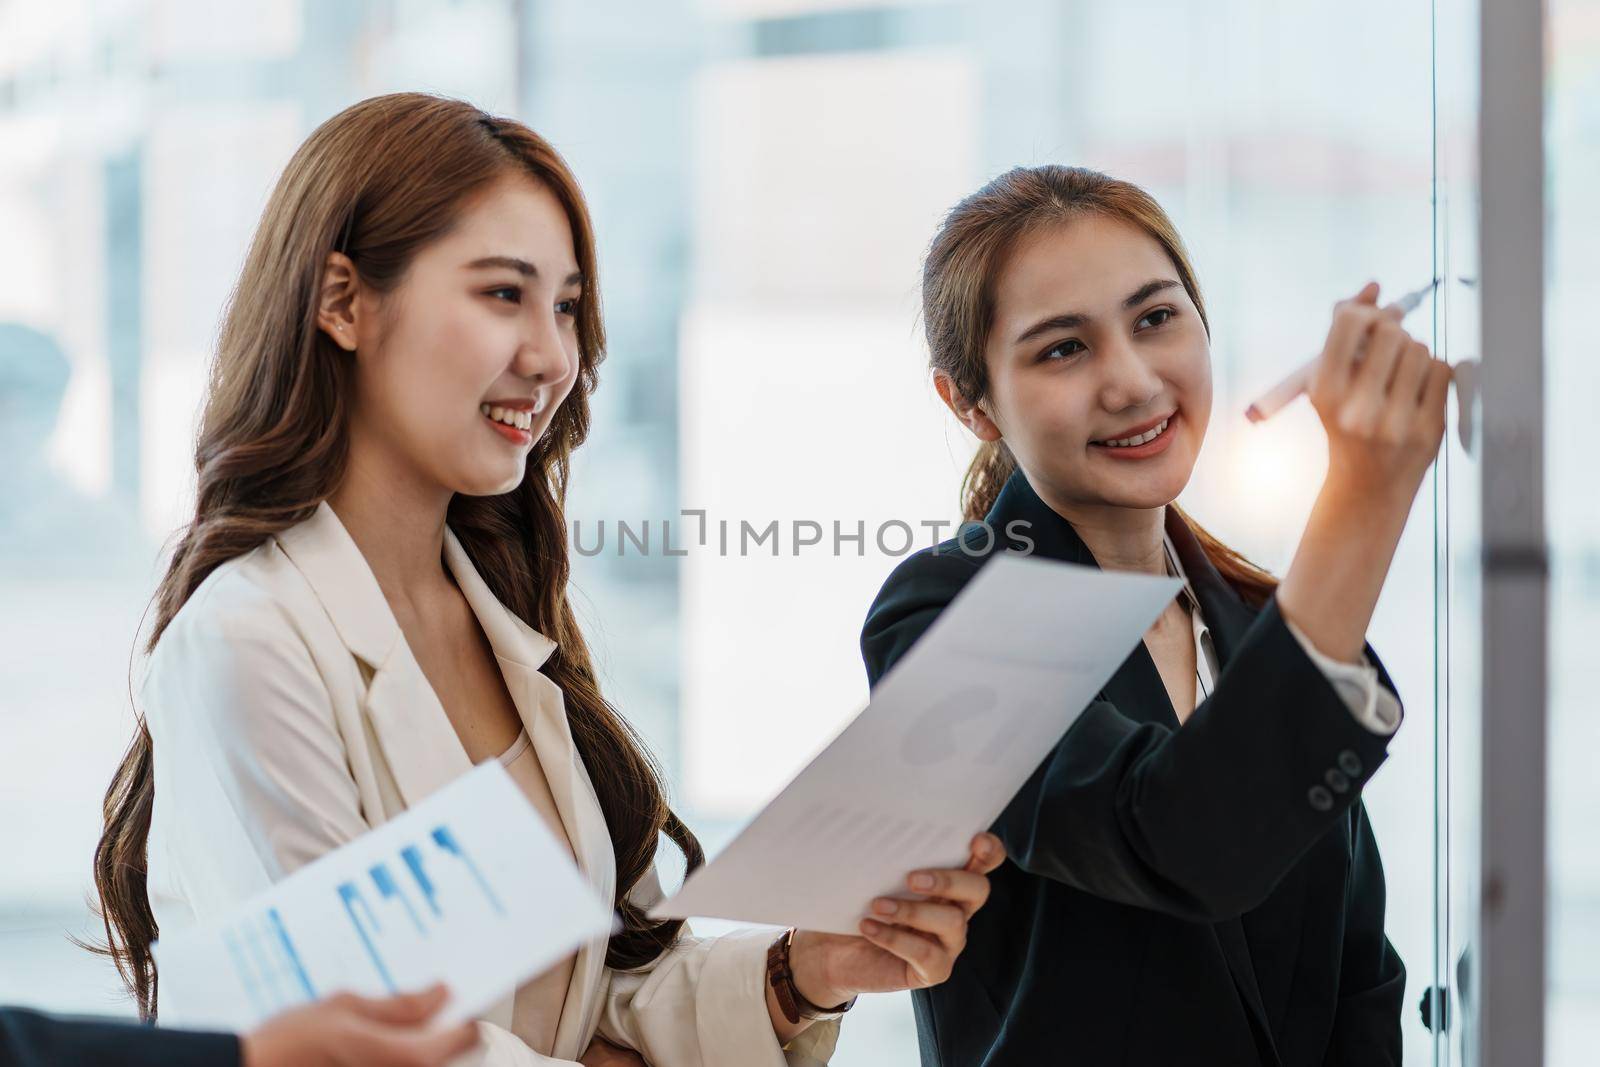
[[951, 734], [468, 887]]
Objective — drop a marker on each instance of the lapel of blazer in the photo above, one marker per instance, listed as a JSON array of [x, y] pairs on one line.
[[1136, 688], [520, 651], [416, 737], [1228, 618]]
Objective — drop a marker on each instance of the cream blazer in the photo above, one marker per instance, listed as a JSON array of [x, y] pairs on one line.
[[289, 717]]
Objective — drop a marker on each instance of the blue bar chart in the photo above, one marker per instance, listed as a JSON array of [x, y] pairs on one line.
[[270, 963], [426, 897]]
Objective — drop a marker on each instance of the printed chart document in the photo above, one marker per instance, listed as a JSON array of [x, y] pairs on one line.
[[468, 887], [951, 734]]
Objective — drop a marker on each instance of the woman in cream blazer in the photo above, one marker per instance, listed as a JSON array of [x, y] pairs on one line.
[[372, 596], [255, 780]]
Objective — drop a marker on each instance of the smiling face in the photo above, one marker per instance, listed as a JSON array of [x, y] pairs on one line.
[[1094, 340], [462, 366]]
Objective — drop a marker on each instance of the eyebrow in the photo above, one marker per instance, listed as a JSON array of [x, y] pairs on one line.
[[1077, 318], [521, 266]]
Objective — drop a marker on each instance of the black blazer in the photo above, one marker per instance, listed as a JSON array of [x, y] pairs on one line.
[[31, 1039], [1204, 895]]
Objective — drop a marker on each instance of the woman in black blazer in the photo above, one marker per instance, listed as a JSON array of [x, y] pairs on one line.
[[1193, 879]]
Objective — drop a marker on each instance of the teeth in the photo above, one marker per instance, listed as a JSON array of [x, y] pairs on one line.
[[522, 420], [1150, 435]]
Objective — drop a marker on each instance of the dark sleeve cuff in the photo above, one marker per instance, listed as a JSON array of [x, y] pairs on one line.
[[1297, 759], [1273, 699]]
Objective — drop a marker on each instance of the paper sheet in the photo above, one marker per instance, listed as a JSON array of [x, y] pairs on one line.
[[468, 887], [951, 734]]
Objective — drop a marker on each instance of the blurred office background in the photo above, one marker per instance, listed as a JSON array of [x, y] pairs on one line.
[[764, 176]]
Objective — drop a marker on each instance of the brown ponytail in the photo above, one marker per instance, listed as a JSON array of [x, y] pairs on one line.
[[988, 473], [379, 181], [958, 306]]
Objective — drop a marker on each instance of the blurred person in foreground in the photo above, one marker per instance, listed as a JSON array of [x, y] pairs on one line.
[[342, 1031]]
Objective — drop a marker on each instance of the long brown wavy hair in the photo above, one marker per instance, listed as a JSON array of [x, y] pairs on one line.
[[378, 182], [967, 255]]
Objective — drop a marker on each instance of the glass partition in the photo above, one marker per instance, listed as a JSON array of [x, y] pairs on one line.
[[1449, 1007], [1572, 385]]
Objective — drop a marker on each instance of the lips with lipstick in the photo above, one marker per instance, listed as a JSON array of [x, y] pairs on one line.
[[1149, 438], [513, 418]]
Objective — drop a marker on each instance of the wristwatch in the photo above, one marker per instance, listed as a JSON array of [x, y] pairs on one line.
[[780, 976]]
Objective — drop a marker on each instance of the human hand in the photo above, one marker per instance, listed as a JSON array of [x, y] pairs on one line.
[[906, 943], [345, 1030], [1381, 397]]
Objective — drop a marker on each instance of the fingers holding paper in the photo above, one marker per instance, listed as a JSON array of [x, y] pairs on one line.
[[968, 888], [906, 942], [926, 935]]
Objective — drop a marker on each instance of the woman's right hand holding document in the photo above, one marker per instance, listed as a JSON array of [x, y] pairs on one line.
[[908, 942]]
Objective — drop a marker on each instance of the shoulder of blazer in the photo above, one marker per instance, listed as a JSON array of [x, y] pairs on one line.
[[258, 586], [256, 600]]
